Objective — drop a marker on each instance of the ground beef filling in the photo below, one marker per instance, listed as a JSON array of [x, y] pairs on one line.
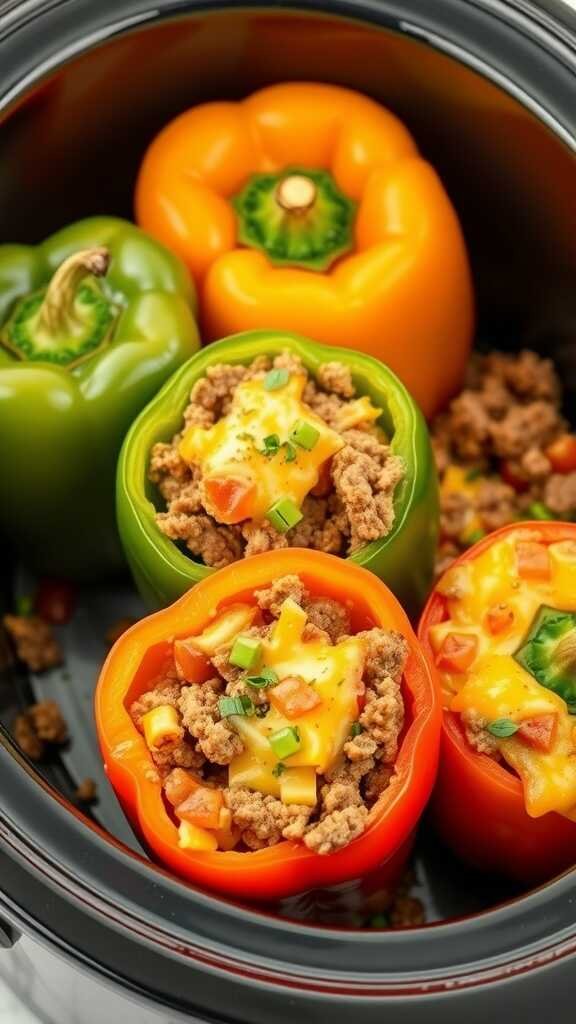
[[499, 434], [206, 743], [352, 506]]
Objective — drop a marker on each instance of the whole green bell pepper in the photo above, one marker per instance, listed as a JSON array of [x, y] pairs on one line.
[[93, 321], [404, 559]]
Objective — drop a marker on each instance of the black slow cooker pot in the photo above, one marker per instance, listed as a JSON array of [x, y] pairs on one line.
[[89, 929]]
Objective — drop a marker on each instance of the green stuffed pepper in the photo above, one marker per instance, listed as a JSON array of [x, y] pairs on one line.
[[94, 320], [268, 439]]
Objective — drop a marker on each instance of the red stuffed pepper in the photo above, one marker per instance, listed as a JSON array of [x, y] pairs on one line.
[[501, 630], [276, 730]]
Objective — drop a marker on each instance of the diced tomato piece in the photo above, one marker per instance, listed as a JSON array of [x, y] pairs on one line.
[[538, 732], [532, 560], [511, 476], [191, 664], [55, 601], [499, 618], [294, 697], [202, 808], [457, 652], [562, 454], [179, 785], [231, 497], [324, 484]]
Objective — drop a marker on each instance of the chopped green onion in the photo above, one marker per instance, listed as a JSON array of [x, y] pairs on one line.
[[278, 769], [276, 379], [304, 434], [502, 728], [289, 452], [271, 445], [379, 921], [473, 473], [267, 677], [24, 605], [474, 536], [538, 510], [246, 652], [235, 706], [285, 742], [283, 515], [356, 729]]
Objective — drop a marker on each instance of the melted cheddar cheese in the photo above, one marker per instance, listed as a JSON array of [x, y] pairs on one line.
[[495, 686], [335, 672], [235, 446]]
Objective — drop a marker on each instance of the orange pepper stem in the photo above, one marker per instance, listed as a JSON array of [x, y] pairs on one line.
[[296, 194]]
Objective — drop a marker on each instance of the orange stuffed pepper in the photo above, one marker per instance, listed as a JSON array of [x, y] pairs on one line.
[[275, 730], [501, 630], [307, 208]]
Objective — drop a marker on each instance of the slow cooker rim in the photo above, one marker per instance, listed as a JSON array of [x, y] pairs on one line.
[[365, 11]]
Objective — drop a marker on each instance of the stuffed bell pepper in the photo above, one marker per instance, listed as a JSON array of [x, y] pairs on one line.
[[93, 320], [308, 208], [501, 630], [275, 730], [265, 441]]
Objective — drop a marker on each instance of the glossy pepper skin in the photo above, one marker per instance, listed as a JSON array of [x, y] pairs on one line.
[[288, 867], [403, 293], [162, 572], [62, 427], [478, 805]]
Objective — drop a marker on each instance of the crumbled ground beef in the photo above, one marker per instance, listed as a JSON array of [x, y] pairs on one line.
[[264, 820], [207, 743], [359, 505], [86, 792], [477, 735], [35, 642], [199, 707], [497, 430], [407, 912], [337, 830], [41, 724], [27, 738]]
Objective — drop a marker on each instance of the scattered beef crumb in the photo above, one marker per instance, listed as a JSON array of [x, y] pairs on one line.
[[48, 721], [117, 629], [27, 738], [407, 912], [39, 725], [86, 792], [35, 642]]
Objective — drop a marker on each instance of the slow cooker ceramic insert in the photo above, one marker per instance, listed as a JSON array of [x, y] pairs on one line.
[[89, 929]]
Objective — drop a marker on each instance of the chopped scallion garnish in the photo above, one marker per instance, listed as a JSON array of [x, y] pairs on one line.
[[276, 379], [266, 677], [502, 728], [235, 706], [285, 742]]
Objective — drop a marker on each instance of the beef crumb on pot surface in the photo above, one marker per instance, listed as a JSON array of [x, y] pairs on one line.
[[268, 457], [276, 723], [504, 451]]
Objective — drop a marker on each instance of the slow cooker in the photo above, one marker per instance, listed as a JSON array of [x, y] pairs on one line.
[[89, 929]]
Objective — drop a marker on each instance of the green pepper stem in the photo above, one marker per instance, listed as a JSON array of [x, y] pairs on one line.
[[565, 653], [56, 315], [296, 194]]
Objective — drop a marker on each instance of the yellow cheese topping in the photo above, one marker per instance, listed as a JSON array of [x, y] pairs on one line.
[[335, 672], [234, 446], [495, 686]]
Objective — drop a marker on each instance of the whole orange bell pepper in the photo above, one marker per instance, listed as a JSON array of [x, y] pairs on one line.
[[307, 208], [289, 867]]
